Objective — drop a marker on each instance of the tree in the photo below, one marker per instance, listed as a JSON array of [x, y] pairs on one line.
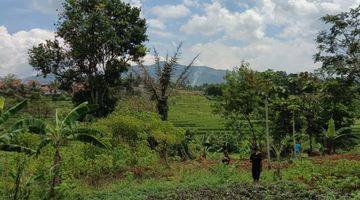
[[213, 90], [339, 46], [311, 105], [241, 96], [161, 86], [59, 135], [338, 99], [95, 41]]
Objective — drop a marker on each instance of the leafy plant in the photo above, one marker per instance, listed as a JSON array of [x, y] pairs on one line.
[[161, 87], [60, 134], [5, 139], [342, 138]]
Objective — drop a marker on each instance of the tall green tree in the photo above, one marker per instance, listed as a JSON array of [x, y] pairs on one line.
[[241, 97], [58, 135], [95, 42], [310, 106], [339, 45]]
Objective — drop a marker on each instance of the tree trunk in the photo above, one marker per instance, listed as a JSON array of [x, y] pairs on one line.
[[310, 143], [252, 131], [56, 179], [267, 133], [294, 131], [163, 108]]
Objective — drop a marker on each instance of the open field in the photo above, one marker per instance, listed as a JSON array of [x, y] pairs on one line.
[[328, 177], [191, 110]]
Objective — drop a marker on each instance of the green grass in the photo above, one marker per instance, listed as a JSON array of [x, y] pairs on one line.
[[303, 179], [194, 111]]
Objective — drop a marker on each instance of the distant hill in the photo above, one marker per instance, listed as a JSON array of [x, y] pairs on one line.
[[199, 75], [40, 79]]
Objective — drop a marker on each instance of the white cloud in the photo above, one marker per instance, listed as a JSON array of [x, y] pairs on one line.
[[191, 3], [170, 11], [136, 3], [156, 23], [330, 7], [266, 53], [14, 48], [303, 6], [47, 6], [218, 19]]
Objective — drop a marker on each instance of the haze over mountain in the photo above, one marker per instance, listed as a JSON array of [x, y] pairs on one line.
[[198, 75]]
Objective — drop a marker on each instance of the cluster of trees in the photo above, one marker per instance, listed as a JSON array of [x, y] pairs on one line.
[[290, 104], [296, 103]]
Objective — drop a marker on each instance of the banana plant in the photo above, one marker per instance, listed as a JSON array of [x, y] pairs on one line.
[[59, 134], [343, 137], [5, 139]]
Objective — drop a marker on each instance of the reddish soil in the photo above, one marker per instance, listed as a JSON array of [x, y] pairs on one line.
[[246, 164]]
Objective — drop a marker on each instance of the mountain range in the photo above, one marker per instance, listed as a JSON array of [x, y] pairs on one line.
[[198, 75]]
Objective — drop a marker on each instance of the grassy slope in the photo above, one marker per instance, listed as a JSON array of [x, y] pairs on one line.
[[191, 110]]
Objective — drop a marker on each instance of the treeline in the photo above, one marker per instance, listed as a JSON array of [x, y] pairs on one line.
[[303, 103]]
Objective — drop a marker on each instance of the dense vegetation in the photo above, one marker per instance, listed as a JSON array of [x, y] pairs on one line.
[[157, 138]]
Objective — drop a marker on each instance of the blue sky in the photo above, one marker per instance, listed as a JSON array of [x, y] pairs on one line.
[[276, 34]]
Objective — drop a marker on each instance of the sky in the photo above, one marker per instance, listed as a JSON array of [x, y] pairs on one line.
[[269, 34]]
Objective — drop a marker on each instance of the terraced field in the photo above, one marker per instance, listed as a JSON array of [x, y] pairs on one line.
[[191, 110]]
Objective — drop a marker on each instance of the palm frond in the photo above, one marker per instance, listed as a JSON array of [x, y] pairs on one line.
[[74, 115], [88, 131], [184, 74], [16, 148], [7, 137], [57, 120], [86, 138], [2, 104], [12, 111], [42, 145], [157, 62], [149, 81], [36, 126]]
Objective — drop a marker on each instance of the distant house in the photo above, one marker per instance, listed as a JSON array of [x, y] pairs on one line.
[[77, 87], [46, 89], [12, 84]]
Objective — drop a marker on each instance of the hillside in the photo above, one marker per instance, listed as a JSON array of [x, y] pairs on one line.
[[198, 75], [191, 110]]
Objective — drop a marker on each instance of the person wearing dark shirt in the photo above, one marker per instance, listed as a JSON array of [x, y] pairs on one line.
[[256, 159]]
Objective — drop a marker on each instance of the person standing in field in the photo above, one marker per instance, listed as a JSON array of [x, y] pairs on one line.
[[256, 160]]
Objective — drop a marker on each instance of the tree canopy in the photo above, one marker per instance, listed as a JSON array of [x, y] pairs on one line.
[[95, 42]]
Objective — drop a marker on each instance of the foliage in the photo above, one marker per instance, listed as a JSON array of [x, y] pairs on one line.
[[213, 90], [339, 46], [6, 138], [342, 138], [59, 135], [241, 96], [95, 40], [140, 131], [161, 87]]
